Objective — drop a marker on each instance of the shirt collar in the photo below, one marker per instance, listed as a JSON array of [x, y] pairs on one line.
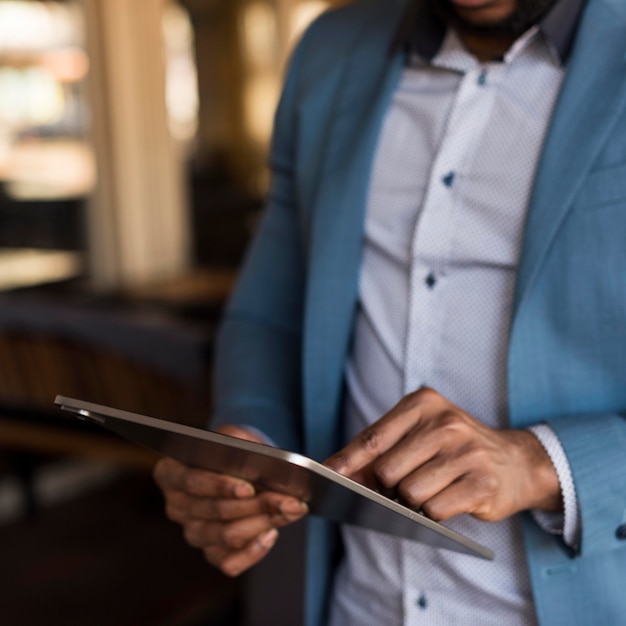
[[422, 31]]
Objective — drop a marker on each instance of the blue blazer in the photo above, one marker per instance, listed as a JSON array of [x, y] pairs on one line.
[[284, 341]]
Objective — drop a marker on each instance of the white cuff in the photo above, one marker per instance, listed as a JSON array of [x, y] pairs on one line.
[[568, 522]]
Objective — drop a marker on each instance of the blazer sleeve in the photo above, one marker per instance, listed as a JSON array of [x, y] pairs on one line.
[[595, 445], [257, 368]]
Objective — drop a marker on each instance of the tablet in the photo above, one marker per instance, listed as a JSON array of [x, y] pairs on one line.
[[327, 493]]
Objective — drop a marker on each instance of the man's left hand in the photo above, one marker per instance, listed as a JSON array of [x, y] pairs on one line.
[[438, 459]]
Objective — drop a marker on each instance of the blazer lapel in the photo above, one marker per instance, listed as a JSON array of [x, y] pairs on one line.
[[592, 98], [335, 248]]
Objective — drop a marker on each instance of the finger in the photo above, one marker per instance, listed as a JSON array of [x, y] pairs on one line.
[[445, 435], [463, 482], [280, 505], [232, 536], [429, 480], [235, 563], [171, 475], [168, 473], [384, 434], [370, 444], [181, 508], [421, 445], [365, 476], [240, 433], [460, 497]]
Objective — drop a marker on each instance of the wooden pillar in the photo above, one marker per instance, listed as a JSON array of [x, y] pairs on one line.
[[138, 217]]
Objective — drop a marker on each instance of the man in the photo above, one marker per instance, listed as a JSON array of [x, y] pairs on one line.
[[443, 247]]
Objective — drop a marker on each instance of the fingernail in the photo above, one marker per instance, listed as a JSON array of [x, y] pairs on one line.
[[293, 507], [268, 539], [244, 490]]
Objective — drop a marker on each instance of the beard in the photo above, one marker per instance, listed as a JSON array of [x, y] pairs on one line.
[[525, 14]]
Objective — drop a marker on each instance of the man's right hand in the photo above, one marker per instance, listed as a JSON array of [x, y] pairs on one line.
[[222, 515]]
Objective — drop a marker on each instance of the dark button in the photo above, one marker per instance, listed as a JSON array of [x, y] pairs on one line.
[[620, 533], [448, 179], [422, 602], [482, 78], [431, 280]]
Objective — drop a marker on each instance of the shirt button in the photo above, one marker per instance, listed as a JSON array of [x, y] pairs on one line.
[[422, 603], [482, 78], [431, 280], [620, 533], [448, 179]]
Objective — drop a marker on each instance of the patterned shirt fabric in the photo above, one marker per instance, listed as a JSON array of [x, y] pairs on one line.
[[451, 183]]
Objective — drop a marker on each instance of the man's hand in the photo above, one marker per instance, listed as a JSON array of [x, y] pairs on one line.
[[222, 515], [440, 460]]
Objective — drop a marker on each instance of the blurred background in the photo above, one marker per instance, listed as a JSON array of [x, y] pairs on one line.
[[133, 143]]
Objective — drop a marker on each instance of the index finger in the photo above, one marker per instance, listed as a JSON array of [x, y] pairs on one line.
[[381, 436], [171, 475]]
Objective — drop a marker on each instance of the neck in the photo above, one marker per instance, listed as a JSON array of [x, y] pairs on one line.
[[486, 48]]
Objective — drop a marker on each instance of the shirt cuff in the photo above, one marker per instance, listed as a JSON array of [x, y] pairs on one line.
[[568, 522]]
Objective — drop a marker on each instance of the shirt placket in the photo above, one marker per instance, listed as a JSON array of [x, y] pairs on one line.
[[432, 249], [435, 231]]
